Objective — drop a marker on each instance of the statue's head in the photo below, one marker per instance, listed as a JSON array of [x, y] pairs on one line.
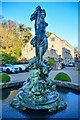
[[43, 13]]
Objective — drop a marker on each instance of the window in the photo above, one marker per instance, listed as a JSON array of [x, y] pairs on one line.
[[52, 39]]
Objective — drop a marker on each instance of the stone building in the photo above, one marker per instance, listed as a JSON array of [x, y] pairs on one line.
[[56, 48], [60, 48], [28, 51]]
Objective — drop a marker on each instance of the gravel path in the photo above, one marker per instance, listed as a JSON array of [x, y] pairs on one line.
[[75, 75]]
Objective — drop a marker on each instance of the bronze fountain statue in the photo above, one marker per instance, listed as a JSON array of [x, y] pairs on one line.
[[40, 41], [39, 92]]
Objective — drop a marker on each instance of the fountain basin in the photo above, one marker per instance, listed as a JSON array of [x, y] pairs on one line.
[[70, 96]]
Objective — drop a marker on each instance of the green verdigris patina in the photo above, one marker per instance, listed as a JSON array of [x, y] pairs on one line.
[[39, 92]]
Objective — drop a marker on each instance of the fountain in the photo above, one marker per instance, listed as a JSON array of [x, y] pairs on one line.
[[39, 92]]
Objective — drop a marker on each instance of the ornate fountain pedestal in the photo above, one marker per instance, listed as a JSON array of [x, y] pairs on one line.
[[38, 92]]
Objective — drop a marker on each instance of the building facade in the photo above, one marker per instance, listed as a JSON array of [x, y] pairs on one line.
[[56, 48], [28, 51], [60, 48]]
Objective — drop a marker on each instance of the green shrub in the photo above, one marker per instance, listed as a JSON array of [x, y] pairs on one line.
[[7, 58], [4, 77], [51, 61], [62, 77]]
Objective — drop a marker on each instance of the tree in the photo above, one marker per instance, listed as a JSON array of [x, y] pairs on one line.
[[24, 33], [48, 33], [7, 58], [13, 37], [11, 24]]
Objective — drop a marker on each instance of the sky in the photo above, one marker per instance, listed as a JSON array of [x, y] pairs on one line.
[[62, 17]]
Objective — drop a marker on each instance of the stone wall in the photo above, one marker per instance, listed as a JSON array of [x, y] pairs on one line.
[[58, 83]]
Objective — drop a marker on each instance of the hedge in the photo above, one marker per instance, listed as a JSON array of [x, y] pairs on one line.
[[4, 78], [62, 77]]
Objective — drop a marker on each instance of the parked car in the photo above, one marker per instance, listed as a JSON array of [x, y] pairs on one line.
[[21, 67], [9, 68], [71, 65]]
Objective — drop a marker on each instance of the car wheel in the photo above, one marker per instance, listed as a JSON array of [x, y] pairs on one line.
[[27, 69], [7, 70], [16, 72]]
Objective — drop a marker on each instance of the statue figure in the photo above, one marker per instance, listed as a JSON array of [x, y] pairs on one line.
[[39, 92], [40, 41]]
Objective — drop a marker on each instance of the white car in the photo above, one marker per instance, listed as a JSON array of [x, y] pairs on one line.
[[21, 67], [9, 68]]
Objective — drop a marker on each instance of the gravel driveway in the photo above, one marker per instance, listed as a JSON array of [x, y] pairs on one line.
[[69, 70]]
